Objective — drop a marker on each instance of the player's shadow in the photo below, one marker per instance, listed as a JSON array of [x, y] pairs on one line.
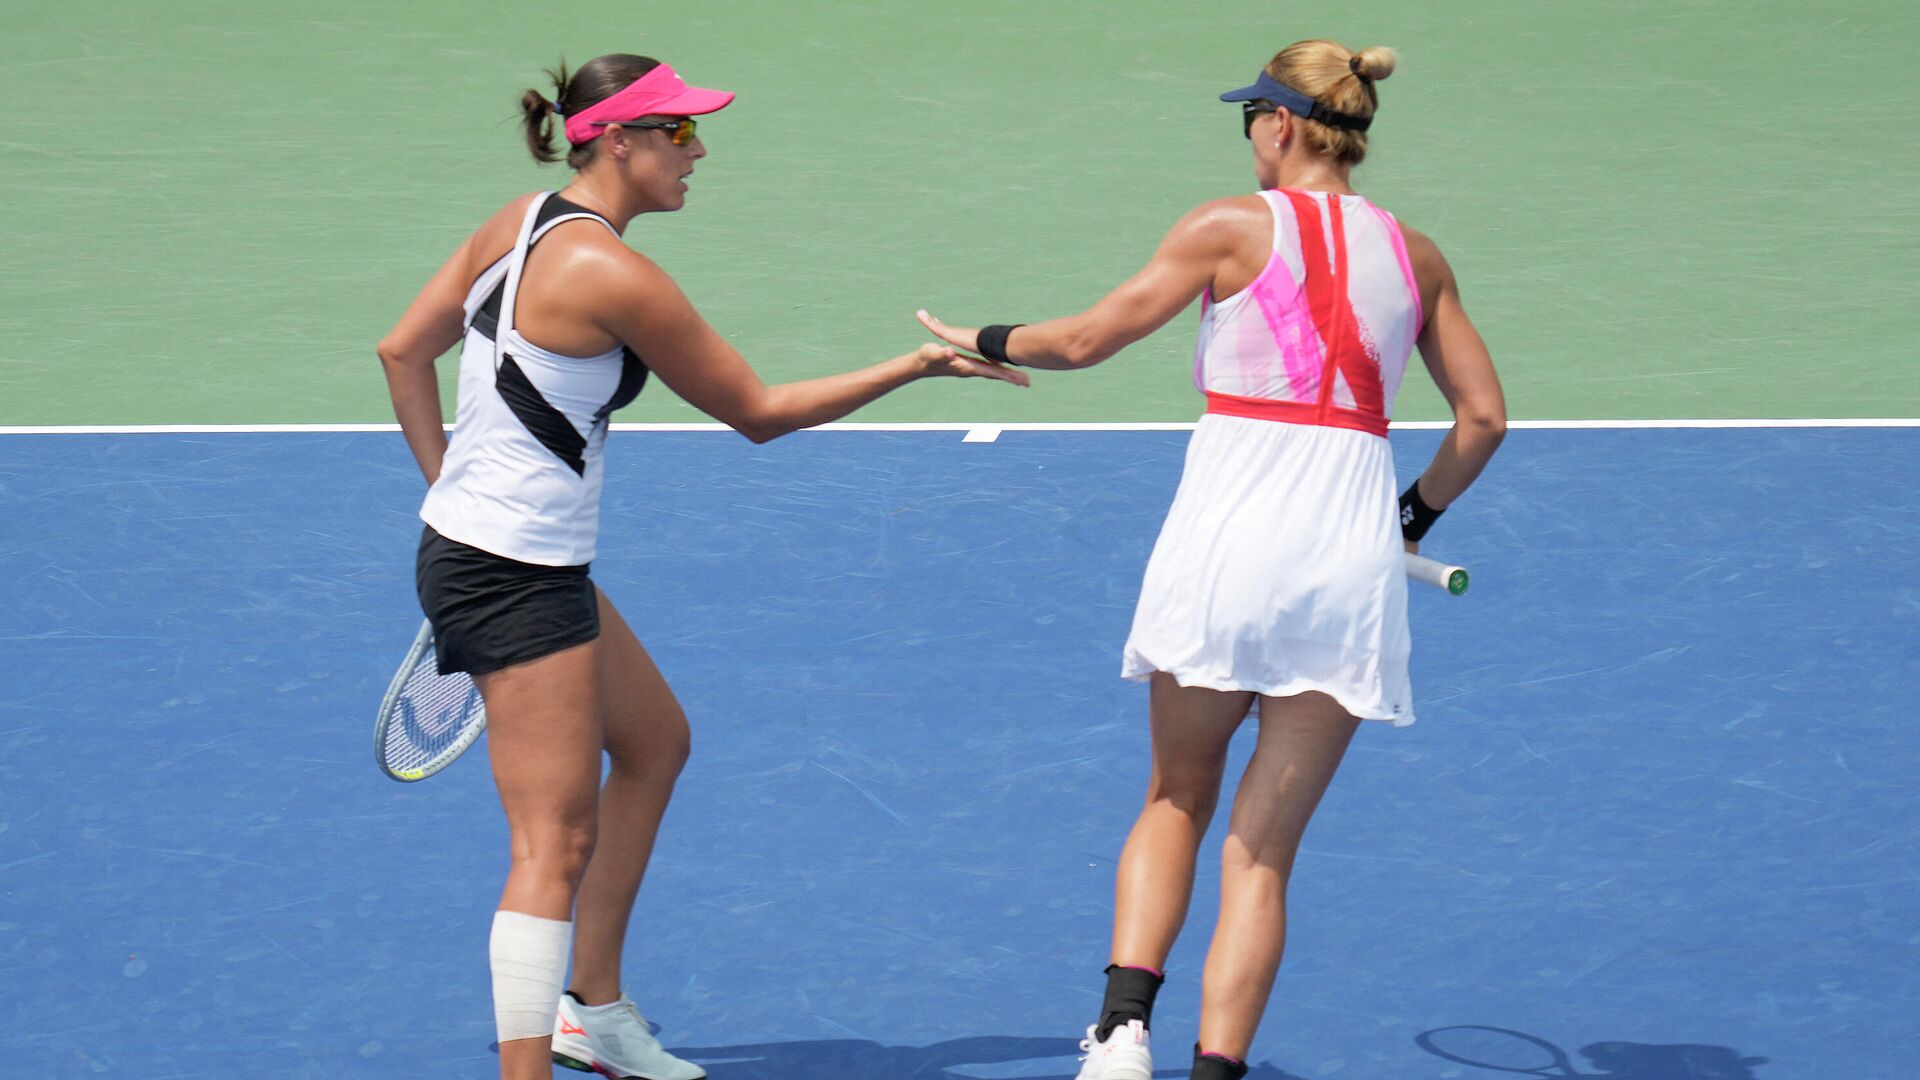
[[984, 1056], [1506, 1050]]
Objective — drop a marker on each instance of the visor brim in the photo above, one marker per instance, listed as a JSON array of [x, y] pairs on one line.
[[693, 101]]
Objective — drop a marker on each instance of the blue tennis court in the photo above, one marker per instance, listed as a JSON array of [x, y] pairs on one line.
[[1658, 813]]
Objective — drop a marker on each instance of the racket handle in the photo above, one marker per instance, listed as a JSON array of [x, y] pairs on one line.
[[1436, 573]]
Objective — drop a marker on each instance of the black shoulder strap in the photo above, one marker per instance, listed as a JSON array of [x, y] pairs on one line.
[[557, 207]]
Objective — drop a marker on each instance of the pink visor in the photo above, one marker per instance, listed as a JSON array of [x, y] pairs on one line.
[[659, 92]]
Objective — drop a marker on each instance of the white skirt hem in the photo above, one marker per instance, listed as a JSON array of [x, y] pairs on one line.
[[1137, 668]]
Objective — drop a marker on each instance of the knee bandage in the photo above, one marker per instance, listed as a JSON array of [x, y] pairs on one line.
[[528, 956]]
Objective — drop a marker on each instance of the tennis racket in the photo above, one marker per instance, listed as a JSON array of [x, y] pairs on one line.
[[1434, 572], [1498, 1049], [427, 719]]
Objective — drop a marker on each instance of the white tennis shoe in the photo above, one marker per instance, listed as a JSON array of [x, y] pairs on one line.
[[1124, 1056], [614, 1040]]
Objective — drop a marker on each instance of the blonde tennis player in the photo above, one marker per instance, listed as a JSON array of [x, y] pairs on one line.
[[1277, 580], [561, 323]]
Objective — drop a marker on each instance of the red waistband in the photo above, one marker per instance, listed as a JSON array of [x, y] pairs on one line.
[[1295, 412]]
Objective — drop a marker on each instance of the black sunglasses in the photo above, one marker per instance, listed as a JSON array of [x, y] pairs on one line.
[[1251, 109], [683, 130]]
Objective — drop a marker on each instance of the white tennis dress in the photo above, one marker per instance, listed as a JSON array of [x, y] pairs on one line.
[[1280, 569]]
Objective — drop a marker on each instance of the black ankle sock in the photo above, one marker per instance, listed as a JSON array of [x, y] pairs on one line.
[[1130, 994], [1215, 1067]]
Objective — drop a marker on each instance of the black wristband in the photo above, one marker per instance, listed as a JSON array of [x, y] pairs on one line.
[[992, 343], [1416, 517]]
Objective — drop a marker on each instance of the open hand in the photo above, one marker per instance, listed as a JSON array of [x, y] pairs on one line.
[[960, 337], [944, 360]]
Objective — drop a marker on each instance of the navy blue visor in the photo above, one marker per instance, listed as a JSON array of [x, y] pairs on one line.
[[1266, 88]]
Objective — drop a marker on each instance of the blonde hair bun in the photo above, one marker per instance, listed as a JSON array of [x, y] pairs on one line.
[[1375, 63]]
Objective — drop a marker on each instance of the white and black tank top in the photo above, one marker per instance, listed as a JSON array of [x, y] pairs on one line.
[[522, 473]]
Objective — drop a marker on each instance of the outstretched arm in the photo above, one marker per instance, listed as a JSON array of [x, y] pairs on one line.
[[1187, 259], [655, 319]]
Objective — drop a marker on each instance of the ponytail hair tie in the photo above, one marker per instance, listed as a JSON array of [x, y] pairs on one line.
[[1353, 65]]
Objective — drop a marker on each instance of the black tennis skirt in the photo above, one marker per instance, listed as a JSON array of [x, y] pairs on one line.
[[490, 612]]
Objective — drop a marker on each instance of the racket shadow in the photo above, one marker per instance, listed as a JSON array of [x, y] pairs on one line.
[[1504, 1050]]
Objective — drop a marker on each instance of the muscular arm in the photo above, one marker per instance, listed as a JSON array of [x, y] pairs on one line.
[[1188, 258], [1458, 361]]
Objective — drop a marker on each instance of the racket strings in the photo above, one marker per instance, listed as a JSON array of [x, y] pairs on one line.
[[430, 713]]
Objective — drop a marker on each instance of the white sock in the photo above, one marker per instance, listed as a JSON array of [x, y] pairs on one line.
[[528, 956]]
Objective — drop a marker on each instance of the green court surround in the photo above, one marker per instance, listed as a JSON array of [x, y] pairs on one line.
[[214, 209]]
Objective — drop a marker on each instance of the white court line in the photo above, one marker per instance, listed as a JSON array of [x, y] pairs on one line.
[[980, 431]]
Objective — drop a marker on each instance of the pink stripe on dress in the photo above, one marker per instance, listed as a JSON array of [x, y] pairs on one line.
[[1290, 322], [1406, 264]]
